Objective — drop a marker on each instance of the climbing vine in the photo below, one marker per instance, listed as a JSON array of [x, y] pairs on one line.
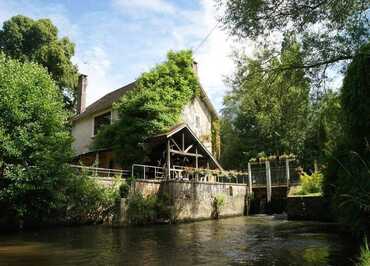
[[216, 140], [152, 107]]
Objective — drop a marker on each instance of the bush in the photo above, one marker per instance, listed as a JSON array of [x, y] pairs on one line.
[[311, 183], [145, 210], [125, 187], [218, 203], [90, 202]]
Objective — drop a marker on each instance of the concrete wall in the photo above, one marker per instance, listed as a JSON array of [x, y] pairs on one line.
[[203, 132], [195, 200], [308, 208]]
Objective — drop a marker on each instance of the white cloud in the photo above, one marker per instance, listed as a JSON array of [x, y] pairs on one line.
[[95, 64], [214, 57], [158, 6], [114, 45]]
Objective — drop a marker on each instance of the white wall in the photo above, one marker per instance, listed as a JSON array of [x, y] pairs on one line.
[[82, 135], [82, 130], [198, 108]]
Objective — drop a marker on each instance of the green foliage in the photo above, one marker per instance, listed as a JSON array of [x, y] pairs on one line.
[[125, 187], [145, 210], [347, 178], [311, 183], [152, 107], [355, 100], [35, 144], [88, 201], [265, 112], [324, 129], [364, 255], [37, 41], [216, 141], [218, 203], [329, 31]]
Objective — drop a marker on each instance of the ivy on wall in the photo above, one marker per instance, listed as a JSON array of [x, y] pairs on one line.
[[151, 108], [216, 139]]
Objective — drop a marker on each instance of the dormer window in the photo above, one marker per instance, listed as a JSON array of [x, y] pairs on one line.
[[101, 121]]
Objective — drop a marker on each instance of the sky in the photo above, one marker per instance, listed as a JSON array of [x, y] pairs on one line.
[[117, 40]]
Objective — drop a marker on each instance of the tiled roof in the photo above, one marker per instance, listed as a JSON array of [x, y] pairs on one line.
[[105, 102]]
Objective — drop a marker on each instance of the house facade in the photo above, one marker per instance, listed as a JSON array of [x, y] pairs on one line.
[[197, 116]]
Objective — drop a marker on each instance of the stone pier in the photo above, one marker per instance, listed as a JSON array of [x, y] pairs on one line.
[[193, 201]]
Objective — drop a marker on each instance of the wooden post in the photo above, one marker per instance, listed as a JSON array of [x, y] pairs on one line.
[[196, 163], [196, 158], [268, 181], [183, 142], [168, 160], [250, 178], [96, 163], [287, 172]]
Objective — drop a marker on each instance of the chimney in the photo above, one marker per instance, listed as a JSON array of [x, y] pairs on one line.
[[195, 67], [81, 93]]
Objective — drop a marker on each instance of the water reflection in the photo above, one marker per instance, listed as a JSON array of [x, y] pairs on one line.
[[235, 241]]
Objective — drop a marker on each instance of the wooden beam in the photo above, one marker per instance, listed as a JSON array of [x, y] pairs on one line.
[[183, 141], [186, 153], [268, 181], [188, 148], [174, 142], [196, 158], [168, 174], [250, 179]]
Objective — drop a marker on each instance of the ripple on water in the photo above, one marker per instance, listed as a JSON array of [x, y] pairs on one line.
[[251, 241]]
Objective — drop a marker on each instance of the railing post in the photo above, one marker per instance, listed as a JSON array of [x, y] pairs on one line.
[[144, 173], [268, 181], [250, 178], [287, 172]]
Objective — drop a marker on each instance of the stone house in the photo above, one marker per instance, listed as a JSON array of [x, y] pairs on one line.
[[196, 124]]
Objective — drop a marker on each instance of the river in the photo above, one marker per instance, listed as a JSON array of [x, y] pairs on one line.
[[254, 240]]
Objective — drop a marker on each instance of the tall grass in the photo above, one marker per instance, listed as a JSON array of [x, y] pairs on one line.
[[364, 259]]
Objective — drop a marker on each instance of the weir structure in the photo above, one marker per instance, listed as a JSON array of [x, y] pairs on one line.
[[264, 187]]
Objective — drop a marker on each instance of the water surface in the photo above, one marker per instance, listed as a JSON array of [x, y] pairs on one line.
[[259, 240]]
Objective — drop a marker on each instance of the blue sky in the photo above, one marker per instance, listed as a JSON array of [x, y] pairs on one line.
[[116, 40]]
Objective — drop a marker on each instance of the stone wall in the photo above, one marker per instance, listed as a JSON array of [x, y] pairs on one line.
[[308, 207], [195, 200]]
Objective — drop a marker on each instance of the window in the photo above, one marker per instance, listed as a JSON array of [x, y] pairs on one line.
[[197, 121], [101, 121]]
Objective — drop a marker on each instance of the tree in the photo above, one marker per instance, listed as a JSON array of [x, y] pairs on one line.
[[324, 129], [35, 144], [347, 179], [152, 107], [329, 31], [267, 112], [37, 41]]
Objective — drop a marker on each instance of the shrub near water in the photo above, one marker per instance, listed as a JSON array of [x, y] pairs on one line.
[[144, 210], [311, 183], [90, 202]]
